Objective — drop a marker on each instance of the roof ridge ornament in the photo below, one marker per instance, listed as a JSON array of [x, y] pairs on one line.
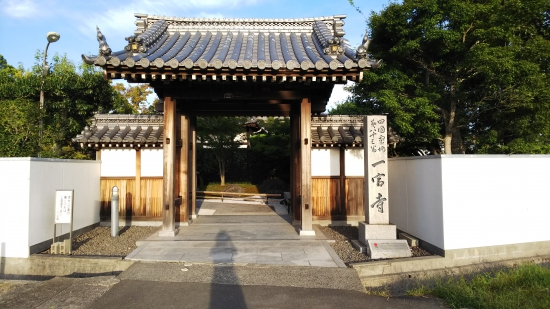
[[140, 43], [362, 50], [104, 49], [135, 44], [332, 41]]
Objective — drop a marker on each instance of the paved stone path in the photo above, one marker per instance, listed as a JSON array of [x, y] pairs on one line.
[[239, 233]]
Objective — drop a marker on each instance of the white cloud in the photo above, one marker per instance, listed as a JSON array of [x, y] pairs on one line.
[[19, 8], [118, 21]]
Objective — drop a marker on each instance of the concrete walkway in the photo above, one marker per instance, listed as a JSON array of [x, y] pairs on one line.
[[239, 233]]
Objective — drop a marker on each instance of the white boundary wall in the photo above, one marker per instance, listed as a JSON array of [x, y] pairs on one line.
[[470, 201], [27, 191]]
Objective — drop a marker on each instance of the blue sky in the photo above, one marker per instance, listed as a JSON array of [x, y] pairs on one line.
[[24, 23]]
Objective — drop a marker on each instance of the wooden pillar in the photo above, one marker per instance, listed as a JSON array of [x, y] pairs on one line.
[[184, 171], [193, 165], [137, 189], [305, 159], [169, 148], [295, 170], [343, 206]]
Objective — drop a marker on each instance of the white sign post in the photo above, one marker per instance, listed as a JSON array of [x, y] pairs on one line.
[[64, 204], [376, 232]]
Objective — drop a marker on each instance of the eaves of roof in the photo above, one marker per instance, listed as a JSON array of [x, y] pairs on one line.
[[174, 46]]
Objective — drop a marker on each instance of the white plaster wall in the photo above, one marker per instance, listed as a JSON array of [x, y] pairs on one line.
[[354, 162], [495, 200], [415, 197], [151, 162], [14, 207], [29, 185], [325, 162], [118, 163], [467, 201], [47, 176]]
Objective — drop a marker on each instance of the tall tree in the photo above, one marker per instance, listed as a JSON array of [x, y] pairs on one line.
[[219, 134], [471, 73]]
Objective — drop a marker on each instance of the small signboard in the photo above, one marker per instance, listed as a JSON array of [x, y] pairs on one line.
[[64, 206], [64, 201]]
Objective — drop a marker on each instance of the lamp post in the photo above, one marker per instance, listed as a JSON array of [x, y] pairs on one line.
[[52, 37]]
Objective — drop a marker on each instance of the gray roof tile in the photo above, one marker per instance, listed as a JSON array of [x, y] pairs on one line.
[[201, 43]]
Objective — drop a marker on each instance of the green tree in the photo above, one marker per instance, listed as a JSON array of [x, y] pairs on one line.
[[219, 134], [136, 96], [472, 74], [18, 130], [270, 151], [72, 95]]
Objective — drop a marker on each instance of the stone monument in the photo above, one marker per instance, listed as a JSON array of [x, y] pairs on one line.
[[376, 232]]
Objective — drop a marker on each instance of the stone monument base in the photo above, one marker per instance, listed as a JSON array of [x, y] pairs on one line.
[[388, 249], [376, 231], [381, 241]]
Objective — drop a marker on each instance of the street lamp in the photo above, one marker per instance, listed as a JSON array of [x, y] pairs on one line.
[[52, 37]]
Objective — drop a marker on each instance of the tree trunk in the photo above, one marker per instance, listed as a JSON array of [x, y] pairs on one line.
[[221, 165], [456, 142], [447, 143], [450, 122]]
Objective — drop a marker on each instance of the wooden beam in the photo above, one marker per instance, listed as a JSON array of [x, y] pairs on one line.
[[305, 159], [169, 148], [241, 113], [231, 107], [190, 94]]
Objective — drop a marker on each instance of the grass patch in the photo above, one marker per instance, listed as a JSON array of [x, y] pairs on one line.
[[213, 186], [525, 286], [382, 292]]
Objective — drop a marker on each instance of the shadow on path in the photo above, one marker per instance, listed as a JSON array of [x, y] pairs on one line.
[[221, 295]]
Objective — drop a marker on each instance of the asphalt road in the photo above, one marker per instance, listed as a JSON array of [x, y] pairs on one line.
[[153, 294], [178, 285]]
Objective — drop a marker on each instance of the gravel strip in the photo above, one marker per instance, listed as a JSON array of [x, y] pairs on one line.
[[98, 242], [343, 235]]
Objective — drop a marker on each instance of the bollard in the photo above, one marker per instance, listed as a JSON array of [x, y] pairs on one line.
[[114, 213]]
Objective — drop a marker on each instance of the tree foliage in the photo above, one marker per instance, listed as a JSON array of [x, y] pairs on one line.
[[72, 95], [472, 74], [218, 134], [136, 97], [269, 152]]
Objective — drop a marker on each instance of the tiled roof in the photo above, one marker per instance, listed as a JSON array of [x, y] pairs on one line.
[[118, 131], [331, 131], [115, 131], [194, 44]]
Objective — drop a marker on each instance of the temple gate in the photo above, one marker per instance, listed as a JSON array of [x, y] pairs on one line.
[[225, 67]]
